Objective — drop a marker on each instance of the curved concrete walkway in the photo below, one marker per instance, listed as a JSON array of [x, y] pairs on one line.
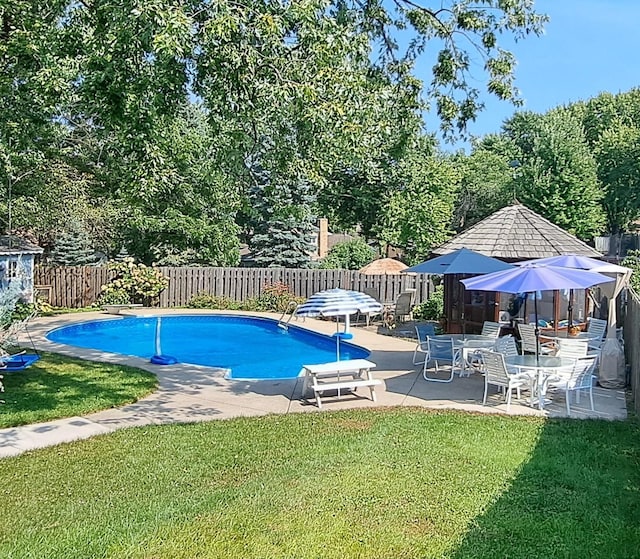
[[189, 393]]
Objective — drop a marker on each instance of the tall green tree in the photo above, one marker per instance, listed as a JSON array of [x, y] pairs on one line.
[[618, 157], [73, 248], [418, 215], [283, 224], [486, 181], [98, 86], [558, 175], [188, 215]]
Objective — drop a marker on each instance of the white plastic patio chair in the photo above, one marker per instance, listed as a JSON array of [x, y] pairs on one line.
[[491, 329], [572, 349], [497, 374], [580, 378], [439, 351], [597, 328], [528, 341]]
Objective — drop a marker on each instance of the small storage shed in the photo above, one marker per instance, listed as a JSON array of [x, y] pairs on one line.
[[17, 258], [512, 234]]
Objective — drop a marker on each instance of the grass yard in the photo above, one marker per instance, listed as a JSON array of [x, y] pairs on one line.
[[395, 483], [58, 386]]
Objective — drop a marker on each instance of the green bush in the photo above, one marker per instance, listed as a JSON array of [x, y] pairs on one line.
[[632, 260], [208, 301], [114, 297], [137, 282], [432, 308], [275, 297], [351, 255]]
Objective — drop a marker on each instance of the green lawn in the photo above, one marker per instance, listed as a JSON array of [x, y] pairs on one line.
[[58, 386], [395, 483]]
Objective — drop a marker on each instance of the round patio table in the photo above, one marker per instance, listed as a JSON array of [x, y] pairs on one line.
[[563, 335], [542, 366], [468, 343]]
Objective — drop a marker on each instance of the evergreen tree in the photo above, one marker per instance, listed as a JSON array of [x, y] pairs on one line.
[[122, 255], [283, 222], [73, 248]]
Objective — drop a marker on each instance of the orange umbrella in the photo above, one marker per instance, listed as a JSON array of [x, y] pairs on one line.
[[383, 266]]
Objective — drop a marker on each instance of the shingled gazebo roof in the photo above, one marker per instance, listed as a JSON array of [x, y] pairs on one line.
[[517, 233]]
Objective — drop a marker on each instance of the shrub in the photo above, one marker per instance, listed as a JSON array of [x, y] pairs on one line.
[[351, 255], [208, 301], [632, 260], [275, 297], [137, 282], [432, 308]]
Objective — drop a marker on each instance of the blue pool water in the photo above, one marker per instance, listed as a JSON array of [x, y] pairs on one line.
[[252, 348]]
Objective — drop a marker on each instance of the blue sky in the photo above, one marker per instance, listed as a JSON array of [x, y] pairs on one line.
[[589, 46]]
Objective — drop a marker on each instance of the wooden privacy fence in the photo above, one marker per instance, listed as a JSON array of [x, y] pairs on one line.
[[632, 345], [80, 286]]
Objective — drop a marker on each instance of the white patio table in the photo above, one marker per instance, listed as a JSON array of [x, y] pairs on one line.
[[543, 367], [563, 335], [468, 343]]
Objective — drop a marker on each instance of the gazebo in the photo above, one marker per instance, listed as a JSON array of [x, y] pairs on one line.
[[512, 234]]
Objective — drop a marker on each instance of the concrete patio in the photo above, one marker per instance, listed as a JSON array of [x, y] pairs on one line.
[[189, 393]]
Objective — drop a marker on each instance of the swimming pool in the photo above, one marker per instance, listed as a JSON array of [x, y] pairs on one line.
[[251, 347]]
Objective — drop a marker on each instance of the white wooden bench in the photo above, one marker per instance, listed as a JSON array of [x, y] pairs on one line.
[[339, 375], [115, 309]]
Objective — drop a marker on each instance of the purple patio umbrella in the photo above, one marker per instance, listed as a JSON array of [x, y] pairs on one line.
[[579, 262], [531, 278]]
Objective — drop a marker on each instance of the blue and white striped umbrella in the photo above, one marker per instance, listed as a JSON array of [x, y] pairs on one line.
[[339, 302]]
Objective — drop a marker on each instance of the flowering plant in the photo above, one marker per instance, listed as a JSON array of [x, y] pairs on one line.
[[136, 282], [277, 297]]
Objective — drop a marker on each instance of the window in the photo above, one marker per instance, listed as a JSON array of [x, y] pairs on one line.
[[12, 269]]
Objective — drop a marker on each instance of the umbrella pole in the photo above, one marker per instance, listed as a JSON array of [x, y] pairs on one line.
[[570, 311], [537, 328]]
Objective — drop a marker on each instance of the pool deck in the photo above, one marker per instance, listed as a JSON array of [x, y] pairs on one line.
[[189, 393]]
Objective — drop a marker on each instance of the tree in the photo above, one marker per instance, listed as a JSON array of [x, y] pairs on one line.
[[618, 156], [283, 230], [486, 181], [73, 248], [419, 213], [183, 212], [350, 255], [100, 86], [557, 177], [450, 23], [605, 111]]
